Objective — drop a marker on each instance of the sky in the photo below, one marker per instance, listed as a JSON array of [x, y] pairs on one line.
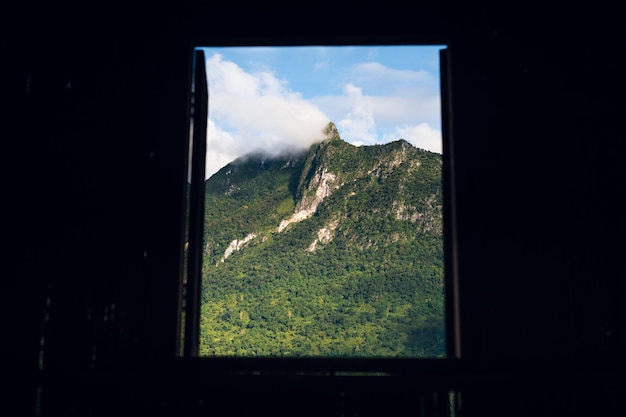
[[274, 98]]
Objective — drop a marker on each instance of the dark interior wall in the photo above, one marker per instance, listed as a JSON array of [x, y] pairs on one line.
[[540, 157], [94, 126], [94, 131], [540, 160]]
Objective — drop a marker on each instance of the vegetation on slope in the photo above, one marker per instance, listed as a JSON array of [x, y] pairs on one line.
[[361, 274]]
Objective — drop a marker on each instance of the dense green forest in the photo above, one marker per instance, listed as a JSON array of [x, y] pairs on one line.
[[332, 251]]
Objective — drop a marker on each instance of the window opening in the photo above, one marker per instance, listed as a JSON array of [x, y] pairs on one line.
[[323, 212]]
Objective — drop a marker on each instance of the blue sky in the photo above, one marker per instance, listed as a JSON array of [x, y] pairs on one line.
[[274, 98]]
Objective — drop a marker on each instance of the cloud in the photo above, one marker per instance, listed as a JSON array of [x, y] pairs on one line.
[[400, 110], [365, 120], [251, 110], [254, 108], [320, 65], [377, 99], [222, 148], [358, 125], [421, 136], [377, 78]]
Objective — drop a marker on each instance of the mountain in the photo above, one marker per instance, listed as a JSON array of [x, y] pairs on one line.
[[332, 251]]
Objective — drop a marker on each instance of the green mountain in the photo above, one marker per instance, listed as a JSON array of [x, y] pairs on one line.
[[332, 251]]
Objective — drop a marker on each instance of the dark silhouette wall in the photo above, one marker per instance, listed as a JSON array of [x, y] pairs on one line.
[[94, 149]]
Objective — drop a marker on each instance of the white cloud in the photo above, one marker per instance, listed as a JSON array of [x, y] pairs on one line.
[[358, 125], [387, 110], [406, 109], [365, 120], [384, 99], [376, 77], [422, 136], [222, 148], [250, 110], [320, 65]]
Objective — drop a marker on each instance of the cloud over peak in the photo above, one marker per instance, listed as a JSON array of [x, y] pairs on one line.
[[253, 107], [249, 110]]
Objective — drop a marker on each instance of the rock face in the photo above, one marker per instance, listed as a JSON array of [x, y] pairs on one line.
[[321, 186], [236, 245], [391, 178], [317, 182]]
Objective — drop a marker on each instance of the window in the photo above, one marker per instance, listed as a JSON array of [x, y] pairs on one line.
[[320, 222]]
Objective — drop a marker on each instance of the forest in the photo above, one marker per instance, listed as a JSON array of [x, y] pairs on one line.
[[361, 274]]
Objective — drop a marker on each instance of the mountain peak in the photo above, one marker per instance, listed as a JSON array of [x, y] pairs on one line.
[[331, 132], [339, 239]]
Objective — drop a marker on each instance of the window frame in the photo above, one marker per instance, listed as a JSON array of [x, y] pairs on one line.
[[190, 288]]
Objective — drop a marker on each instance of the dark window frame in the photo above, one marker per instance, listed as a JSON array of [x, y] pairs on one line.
[[189, 297]]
